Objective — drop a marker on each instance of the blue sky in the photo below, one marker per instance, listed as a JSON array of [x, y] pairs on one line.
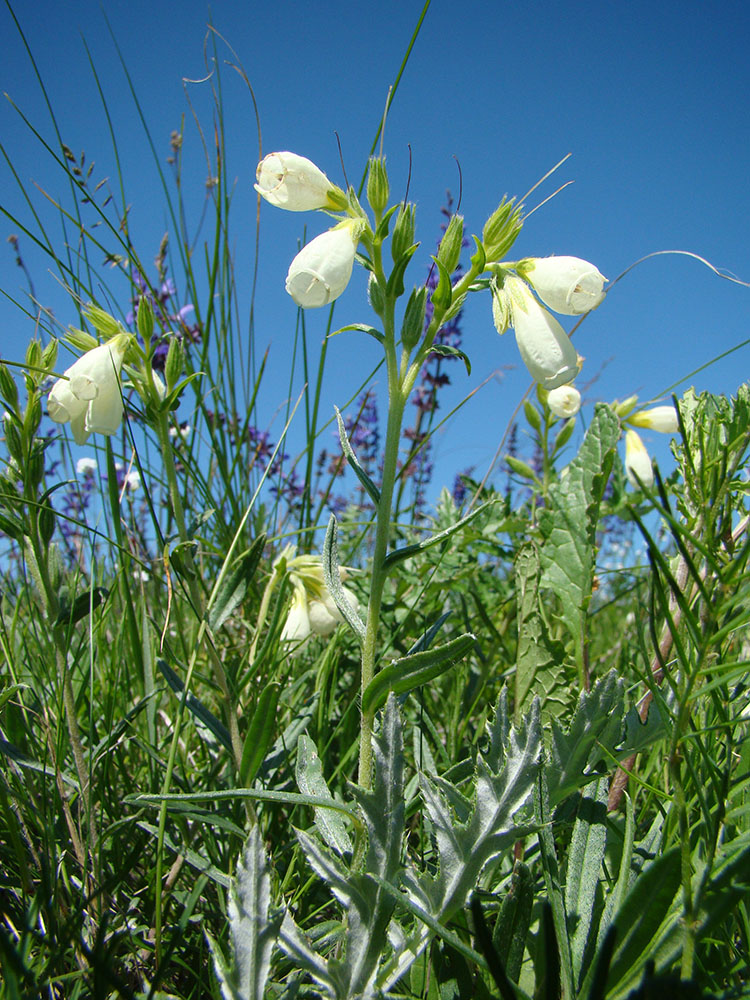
[[650, 100]]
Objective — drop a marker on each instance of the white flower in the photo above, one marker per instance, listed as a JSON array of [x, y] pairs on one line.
[[546, 349], [86, 466], [321, 270], [324, 615], [293, 182], [297, 625], [637, 461], [564, 401], [568, 285], [90, 396], [658, 418]]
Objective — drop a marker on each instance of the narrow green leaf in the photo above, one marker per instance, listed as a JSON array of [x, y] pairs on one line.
[[370, 487], [585, 858], [408, 672], [446, 351], [259, 734], [82, 605], [234, 585], [310, 781], [361, 328], [332, 579], [411, 550], [198, 709], [513, 922]]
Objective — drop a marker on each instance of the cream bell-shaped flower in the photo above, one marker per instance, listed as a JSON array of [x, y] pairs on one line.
[[297, 625], [321, 270], [564, 401], [658, 418], [294, 183], [546, 349], [89, 396], [637, 461], [568, 285]]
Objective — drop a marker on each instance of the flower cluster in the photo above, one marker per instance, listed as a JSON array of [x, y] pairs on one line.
[[313, 610], [569, 286], [321, 270], [664, 419], [89, 395]]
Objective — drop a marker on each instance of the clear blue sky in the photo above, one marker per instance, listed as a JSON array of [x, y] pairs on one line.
[[651, 100]]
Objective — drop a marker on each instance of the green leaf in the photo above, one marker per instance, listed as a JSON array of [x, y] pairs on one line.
[[361, 328], [411, 550], [443, 294], [259, 733], [408, 672], [310, 781], [395, 286], [585, 858], [233, 587], [568, 523], [82, 605], [332, 578], [513, 920], [371, 489], [199, 710], [445, 351]]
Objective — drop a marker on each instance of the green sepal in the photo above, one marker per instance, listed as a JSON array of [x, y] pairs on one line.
[[362, 328], [376, 295], [378, 189], [175, 362], [46, 522], [14, 439], [102, 321], [566, 432], [395, 286], [332, 578], [384, 225], [233, 587], [443, 294], [412, 327], [412, 671], [80, 339], [411, 550], [479, 258], [32, 418], [33, 355], [533, 417], [145, 320], [403, 232], [449, 251], [197, 707], [49, 356], [521, 468], [372, 491], [172, 399], [8, 388], [501, 230], [87, 601], [259, 734], [446, 351]]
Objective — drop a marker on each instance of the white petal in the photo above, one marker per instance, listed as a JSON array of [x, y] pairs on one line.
[[658, 418], [564, 401], [293, 182], [637, 461], [321, 270], [546, 349], [568, 285]]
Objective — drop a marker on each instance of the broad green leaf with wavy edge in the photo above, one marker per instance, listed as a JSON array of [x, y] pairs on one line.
[[539, 659], [568, 523]]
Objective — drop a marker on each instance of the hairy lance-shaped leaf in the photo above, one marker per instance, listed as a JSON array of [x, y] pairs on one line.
[[568, 523]]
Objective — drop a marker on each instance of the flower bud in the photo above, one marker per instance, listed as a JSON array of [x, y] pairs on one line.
[[403, 232], [321, 270], [658, 418], [449, 251], [564, 401], [546, 349], [377, 185], [500, 307], [568, 285], [90, 396], [297, 625], [294, 183], [501, 230], [637, 461]]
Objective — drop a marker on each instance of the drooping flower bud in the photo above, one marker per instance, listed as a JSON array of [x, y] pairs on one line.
[[90, 396], [568, 285], [637, 461], [321, 270], [658, 418], [546, 349], [500, 307], [564, 401], [294, 183]]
